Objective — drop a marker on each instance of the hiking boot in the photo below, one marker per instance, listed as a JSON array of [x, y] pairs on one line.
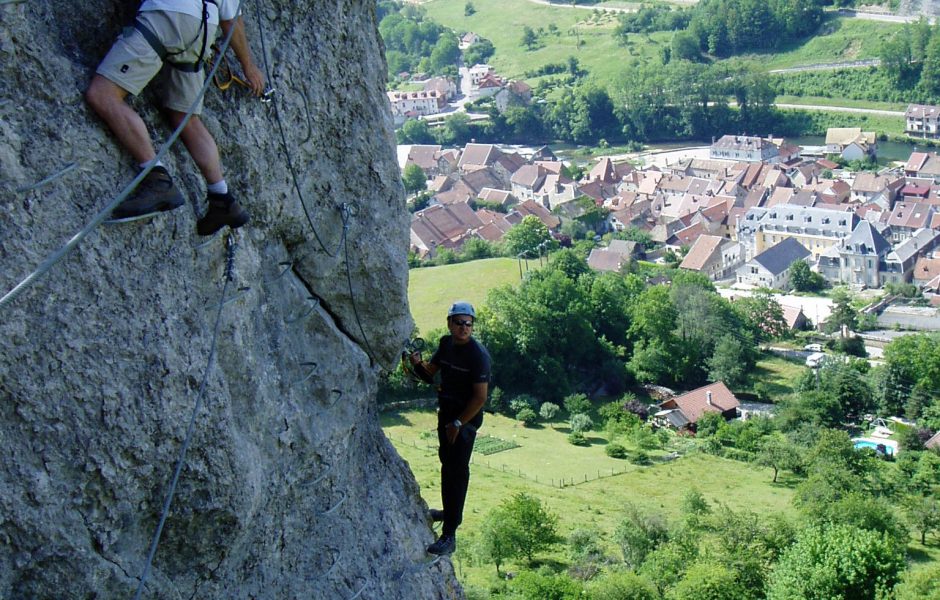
[[446, 544], [223, 210], [156, 193], [436, 515]]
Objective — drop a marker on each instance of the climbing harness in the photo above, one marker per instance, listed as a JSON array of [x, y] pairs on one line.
[[167, 56]]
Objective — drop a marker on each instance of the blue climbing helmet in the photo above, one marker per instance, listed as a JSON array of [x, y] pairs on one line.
[[461, 308]]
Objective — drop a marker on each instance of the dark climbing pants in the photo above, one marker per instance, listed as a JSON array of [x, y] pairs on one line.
[[455, 473]]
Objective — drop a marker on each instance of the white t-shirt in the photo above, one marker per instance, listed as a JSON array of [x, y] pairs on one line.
[[226, 9]]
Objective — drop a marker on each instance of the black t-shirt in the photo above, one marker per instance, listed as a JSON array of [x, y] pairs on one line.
[[460, 366]]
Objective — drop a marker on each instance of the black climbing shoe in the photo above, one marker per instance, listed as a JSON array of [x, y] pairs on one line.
[[223, 210], [446, 544], [156, 193], [436, 515]]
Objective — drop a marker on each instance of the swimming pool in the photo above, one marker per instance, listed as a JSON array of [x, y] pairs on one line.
[[889, 447]]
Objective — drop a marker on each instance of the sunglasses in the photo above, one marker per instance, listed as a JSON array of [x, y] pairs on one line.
[[463, 323]]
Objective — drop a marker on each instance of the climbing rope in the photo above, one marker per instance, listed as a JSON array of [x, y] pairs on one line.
[[283, 136], [230, 244], [102, 215]]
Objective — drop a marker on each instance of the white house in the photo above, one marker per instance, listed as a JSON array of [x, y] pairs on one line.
[[414, 104], [771, 268], [851, 143]]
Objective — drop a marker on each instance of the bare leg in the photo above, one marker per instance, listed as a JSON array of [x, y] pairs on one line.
[[106, 98], [201, 146]]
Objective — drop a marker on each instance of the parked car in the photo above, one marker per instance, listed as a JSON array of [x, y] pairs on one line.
[[813, 347]]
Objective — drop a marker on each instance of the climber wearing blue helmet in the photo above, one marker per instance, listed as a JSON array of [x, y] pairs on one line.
[[464, 365]]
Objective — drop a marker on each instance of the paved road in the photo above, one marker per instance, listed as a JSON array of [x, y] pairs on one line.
[[848, 109], [583, 6], [845, 12], [854, 64]]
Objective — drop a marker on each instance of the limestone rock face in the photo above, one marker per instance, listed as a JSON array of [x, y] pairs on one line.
[[289, 489]]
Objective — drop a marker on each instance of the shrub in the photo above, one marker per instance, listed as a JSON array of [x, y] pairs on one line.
[[581, 423], [640, 458], [523, 401], [615, 451], [644, 438], [577, 439], [527, 416]]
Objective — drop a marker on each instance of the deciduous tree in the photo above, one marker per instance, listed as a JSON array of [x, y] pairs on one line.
[[527, 527], [836, 562], [638, 534], [413, 178]]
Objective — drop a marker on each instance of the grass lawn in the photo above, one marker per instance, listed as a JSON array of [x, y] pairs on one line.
[[868, 122], [778, 374], [544, 453], [431, 290]]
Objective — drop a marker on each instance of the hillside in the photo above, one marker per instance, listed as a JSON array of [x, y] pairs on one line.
[[839, 39]]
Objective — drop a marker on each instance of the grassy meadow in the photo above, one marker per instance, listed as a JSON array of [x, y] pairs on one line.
[[502, 22], [544, 454], [589, 36], [840, 39], [431, 290]]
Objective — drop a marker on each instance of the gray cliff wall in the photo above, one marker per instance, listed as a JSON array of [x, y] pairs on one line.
[[290, 489]]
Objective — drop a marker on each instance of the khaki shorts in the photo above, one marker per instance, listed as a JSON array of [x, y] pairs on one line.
[[132, 63]]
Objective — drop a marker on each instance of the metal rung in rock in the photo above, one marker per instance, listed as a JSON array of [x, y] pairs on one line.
[[306, 314], [287, 264], [332, 509], [241, 292], [314, 367]]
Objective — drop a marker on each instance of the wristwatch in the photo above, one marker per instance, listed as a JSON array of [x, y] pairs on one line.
[[457, 423]]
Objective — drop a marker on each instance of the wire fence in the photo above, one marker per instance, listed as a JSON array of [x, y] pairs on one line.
[[555, 482]]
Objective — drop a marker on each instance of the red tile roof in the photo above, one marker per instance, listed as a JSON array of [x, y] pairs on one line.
[[715, 397]]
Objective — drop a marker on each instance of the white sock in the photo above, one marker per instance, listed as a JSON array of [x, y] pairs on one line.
[[156, 163], [219, 187]]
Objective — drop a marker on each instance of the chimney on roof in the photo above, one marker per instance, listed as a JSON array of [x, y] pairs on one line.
[[708, 398]]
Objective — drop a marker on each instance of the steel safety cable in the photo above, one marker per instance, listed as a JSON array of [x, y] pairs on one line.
[[102, 215], [283, 136], [231, 244], [352, 295]]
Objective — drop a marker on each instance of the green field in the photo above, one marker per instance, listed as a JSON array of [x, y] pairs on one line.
[[544, 453], [501, 21], [431, 290]]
